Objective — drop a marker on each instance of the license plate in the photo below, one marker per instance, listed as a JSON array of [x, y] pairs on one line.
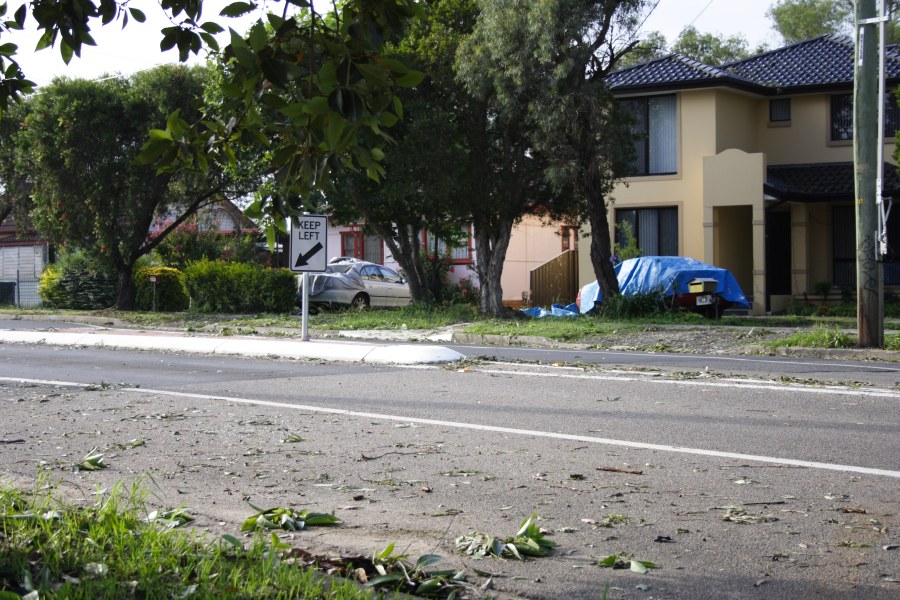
[[705, 300]]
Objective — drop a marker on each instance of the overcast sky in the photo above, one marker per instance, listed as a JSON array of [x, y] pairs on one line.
[[137, 46]]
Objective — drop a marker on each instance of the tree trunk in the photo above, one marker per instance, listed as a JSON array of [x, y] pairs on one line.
[[126, 290], [601, 244], [490, 248]]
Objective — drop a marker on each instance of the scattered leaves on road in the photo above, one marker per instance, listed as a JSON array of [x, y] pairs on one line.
[[528, 541], [288, 519], [625, 561], [93, 461]]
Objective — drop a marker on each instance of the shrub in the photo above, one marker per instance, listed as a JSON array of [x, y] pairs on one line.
[[464, 292], [629, 248], [643, 304], [171, 292], [216, 286], [190, 243], [50, 289], [277, 290], [78, 281]]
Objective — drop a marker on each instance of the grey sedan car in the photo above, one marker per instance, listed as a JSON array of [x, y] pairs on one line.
[[356, 283]]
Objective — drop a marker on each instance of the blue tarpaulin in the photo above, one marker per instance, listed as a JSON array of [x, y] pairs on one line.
[[666, 274], [556, 310]]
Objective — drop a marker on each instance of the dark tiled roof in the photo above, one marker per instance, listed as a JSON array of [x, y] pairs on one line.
[[821, 182], [822, 62], [674, 68]]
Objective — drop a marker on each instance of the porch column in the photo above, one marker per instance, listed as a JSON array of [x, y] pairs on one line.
[[759, 258]]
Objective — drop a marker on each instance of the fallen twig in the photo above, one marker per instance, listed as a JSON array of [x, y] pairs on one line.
[[620, 470], [20, 441], [364, 457]]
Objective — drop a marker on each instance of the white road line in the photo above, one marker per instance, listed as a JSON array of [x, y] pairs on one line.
[[726, 383], [507, 430], [710, 357]]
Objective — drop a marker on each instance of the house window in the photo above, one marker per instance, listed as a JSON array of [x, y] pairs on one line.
[[656, 229], [459, 254], [569, 235], [780, 110], [364, 247], [842, 117], [843, 227], [656, 127]]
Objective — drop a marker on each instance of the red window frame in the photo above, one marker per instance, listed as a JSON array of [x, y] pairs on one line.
[[427, 246]]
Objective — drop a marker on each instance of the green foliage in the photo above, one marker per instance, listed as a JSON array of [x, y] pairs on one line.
[[189, 242], [217, 286], [171, 291], [892, 342], [78, 148], [49, 288], [528, 541], [629, 248], [276, 290], [542, 68], [710, 49], [288, 519], [116, 547], [78, 281], [818, 337], [309, 117], [464, 292], [798, 20], [653, 45], [437, 270], [633, 306]]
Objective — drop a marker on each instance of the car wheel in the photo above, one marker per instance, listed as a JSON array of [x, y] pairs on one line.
[[360, 301]]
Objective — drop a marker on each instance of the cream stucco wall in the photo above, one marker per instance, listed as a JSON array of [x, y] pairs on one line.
[[532, 244]]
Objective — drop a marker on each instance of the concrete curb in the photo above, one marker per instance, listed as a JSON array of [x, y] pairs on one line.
[[542, 342], [243, 346]]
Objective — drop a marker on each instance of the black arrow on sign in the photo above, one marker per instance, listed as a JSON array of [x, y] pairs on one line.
[[303, 259]]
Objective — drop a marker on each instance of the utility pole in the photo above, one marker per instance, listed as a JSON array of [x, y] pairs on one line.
[[868, 103]]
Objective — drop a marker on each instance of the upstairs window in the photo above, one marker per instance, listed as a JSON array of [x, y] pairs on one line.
[[780, 110], [656, 126], [842, 117]]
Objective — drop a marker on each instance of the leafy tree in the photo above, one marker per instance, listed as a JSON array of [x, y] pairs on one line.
[[798, 20], [78, 149], [543, 65], [454, 163], [14, 186], [342, 92], [709, 48], [427, 167], [654, 45]]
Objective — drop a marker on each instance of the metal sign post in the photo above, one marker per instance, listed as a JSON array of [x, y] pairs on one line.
[[308, 252]]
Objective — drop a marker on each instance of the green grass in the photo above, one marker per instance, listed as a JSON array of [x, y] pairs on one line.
[[424, 317], [818, 337], [109, 550]]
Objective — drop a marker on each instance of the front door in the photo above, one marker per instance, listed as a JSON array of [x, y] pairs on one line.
[[778, 254]]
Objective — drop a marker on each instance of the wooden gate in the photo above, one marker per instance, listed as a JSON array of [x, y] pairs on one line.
[[555, 281]]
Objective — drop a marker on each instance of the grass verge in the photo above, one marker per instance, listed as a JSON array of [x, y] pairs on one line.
[[110, 550]]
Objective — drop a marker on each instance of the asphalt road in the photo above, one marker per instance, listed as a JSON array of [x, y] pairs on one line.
[[882, 374], [735, 488]]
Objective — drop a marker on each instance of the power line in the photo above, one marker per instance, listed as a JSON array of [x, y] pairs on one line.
[[699, 14]]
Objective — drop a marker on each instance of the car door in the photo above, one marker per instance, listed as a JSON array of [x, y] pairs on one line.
[[397, 288], [376, 287]]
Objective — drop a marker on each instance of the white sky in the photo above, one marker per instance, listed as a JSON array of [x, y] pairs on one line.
[[137, 46]]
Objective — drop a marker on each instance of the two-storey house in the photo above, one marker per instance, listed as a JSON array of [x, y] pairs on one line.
[[749, 166]]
